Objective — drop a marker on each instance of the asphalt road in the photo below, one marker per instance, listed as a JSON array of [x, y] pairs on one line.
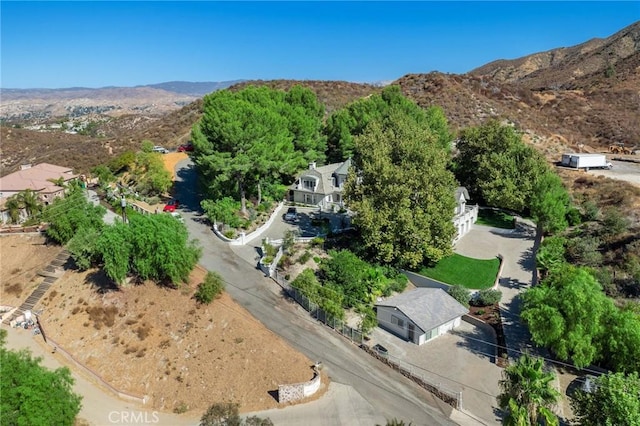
[[622, 170], [387, 394]]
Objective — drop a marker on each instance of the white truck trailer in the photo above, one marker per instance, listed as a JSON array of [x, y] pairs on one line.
[[586, 161]]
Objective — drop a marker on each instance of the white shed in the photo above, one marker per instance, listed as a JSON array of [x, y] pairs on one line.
[[420, 315]]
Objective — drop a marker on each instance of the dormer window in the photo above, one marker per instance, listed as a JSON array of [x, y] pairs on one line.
[[309, 184]]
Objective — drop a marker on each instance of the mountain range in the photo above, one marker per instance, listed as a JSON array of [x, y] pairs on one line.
[[583, 97]]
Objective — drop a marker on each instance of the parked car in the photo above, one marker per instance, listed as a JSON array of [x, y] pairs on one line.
[[291, 215], [185, 147], [160, 149], [177, 216], [171, 206]]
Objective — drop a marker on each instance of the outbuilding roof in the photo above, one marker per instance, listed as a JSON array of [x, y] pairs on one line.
[[428, 308]]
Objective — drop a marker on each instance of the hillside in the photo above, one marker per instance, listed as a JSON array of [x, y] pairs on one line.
[[579, 67], [589, 110]]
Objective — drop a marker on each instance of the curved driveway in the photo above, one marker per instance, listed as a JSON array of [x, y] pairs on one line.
[[518, 249], [370, 392]]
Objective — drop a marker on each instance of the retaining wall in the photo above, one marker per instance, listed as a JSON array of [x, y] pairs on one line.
[[422, 281], [298, 391], [483, 325]]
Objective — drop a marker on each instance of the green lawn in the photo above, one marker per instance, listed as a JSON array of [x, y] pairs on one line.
[[476, 274], [495, 218]]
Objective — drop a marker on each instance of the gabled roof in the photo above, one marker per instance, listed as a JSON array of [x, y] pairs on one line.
[[428, 308], [344, 167], [37, 178], [462, 191]]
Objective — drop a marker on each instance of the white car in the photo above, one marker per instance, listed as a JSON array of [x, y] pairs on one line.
[[160, 149], [178, 217]]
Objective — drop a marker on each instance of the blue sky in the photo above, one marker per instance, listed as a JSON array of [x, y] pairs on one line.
[[97, 44]]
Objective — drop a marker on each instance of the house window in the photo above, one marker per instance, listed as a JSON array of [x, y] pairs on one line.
[[308, 184], [397, 321]]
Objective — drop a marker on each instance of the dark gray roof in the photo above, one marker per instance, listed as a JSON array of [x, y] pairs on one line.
[[428, 308], [344, 167]]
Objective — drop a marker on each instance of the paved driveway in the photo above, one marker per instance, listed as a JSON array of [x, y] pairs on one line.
[[458, 361], [518, 272]]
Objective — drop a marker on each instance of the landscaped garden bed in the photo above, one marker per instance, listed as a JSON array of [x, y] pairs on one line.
[[475, 274], [491, 315]]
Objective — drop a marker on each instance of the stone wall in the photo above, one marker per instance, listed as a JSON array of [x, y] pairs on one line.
[[298, 391]]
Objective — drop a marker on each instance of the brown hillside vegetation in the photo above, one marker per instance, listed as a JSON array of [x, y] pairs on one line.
[[570, 67], [149, 340]]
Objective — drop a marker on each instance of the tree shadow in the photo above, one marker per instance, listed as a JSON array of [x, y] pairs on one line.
[[186, 188], [512, 283], [101, 282], [527, 260], [478, 342]]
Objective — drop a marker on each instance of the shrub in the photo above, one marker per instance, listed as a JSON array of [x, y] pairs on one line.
[[284, 262], [590, 211], [460, 293], [209, 289], [304, 257], [488, 297], [317, 242], [289, 239], [269, 249], [230, 233], [224, 210], [227, 414], [573, 216], [369, 319]]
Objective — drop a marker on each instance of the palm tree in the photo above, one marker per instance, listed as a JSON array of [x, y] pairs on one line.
[[527, 393], [29, 201], [13, 207]]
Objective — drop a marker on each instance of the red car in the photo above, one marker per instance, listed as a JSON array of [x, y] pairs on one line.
[[171, 206], [185, 147]]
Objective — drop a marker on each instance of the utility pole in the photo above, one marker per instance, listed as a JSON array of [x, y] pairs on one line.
[[123, 204]]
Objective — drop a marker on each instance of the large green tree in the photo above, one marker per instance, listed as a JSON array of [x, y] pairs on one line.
[[150, 174], [497, 167], [344, 125], [621, 342], [527, 393], [614, 401], [66, 216], [151, 246], [567, 313], [549, 203], [255, 136], [401, 191], [33, 394]]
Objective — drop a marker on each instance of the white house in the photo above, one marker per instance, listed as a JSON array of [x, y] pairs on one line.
[[420, 315], [320, 186], [465, 216]]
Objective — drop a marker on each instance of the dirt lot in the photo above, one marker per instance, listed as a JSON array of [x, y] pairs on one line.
[[149, 340], [170, 161], [21, 257]]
